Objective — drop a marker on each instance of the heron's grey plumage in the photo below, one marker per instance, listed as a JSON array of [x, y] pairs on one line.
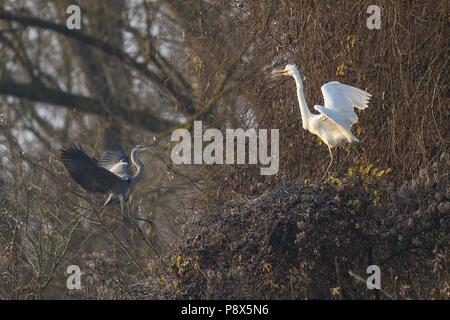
[[116, 161], [112, 175], [86, 171]]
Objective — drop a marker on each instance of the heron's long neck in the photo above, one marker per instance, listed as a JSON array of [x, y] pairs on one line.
[[139, 165], [304, 110]]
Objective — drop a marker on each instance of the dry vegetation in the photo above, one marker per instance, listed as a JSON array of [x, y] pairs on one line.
[[225, 231], [301, 241]]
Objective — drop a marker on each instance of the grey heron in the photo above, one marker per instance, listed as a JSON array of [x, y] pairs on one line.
[[334, 122], [112, 175]]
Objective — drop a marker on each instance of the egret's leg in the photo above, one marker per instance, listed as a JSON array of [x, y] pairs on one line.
[[328, 168], [349, 151]]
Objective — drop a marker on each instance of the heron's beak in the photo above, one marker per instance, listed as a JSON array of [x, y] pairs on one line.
[[280, 72]]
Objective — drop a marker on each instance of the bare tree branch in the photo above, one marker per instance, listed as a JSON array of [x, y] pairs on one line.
[[41, 93], [162, 81]]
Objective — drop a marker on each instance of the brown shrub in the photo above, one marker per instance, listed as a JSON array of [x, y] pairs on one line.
[[316, 241]]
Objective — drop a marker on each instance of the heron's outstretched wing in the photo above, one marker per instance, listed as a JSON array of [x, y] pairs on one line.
[[86, 171], [342, 98], [116, 161]]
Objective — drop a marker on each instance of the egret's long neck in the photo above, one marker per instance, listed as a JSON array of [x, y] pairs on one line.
[[139, 165], [304, 110]]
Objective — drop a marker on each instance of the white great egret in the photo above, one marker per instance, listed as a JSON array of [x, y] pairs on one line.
[[334, 122]]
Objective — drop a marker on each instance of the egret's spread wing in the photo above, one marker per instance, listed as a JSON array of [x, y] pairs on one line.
[[342, 98], [86, 172], [340, 121], [116, 161]]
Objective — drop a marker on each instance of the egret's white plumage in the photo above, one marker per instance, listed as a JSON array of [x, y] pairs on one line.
[[334, 122]]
